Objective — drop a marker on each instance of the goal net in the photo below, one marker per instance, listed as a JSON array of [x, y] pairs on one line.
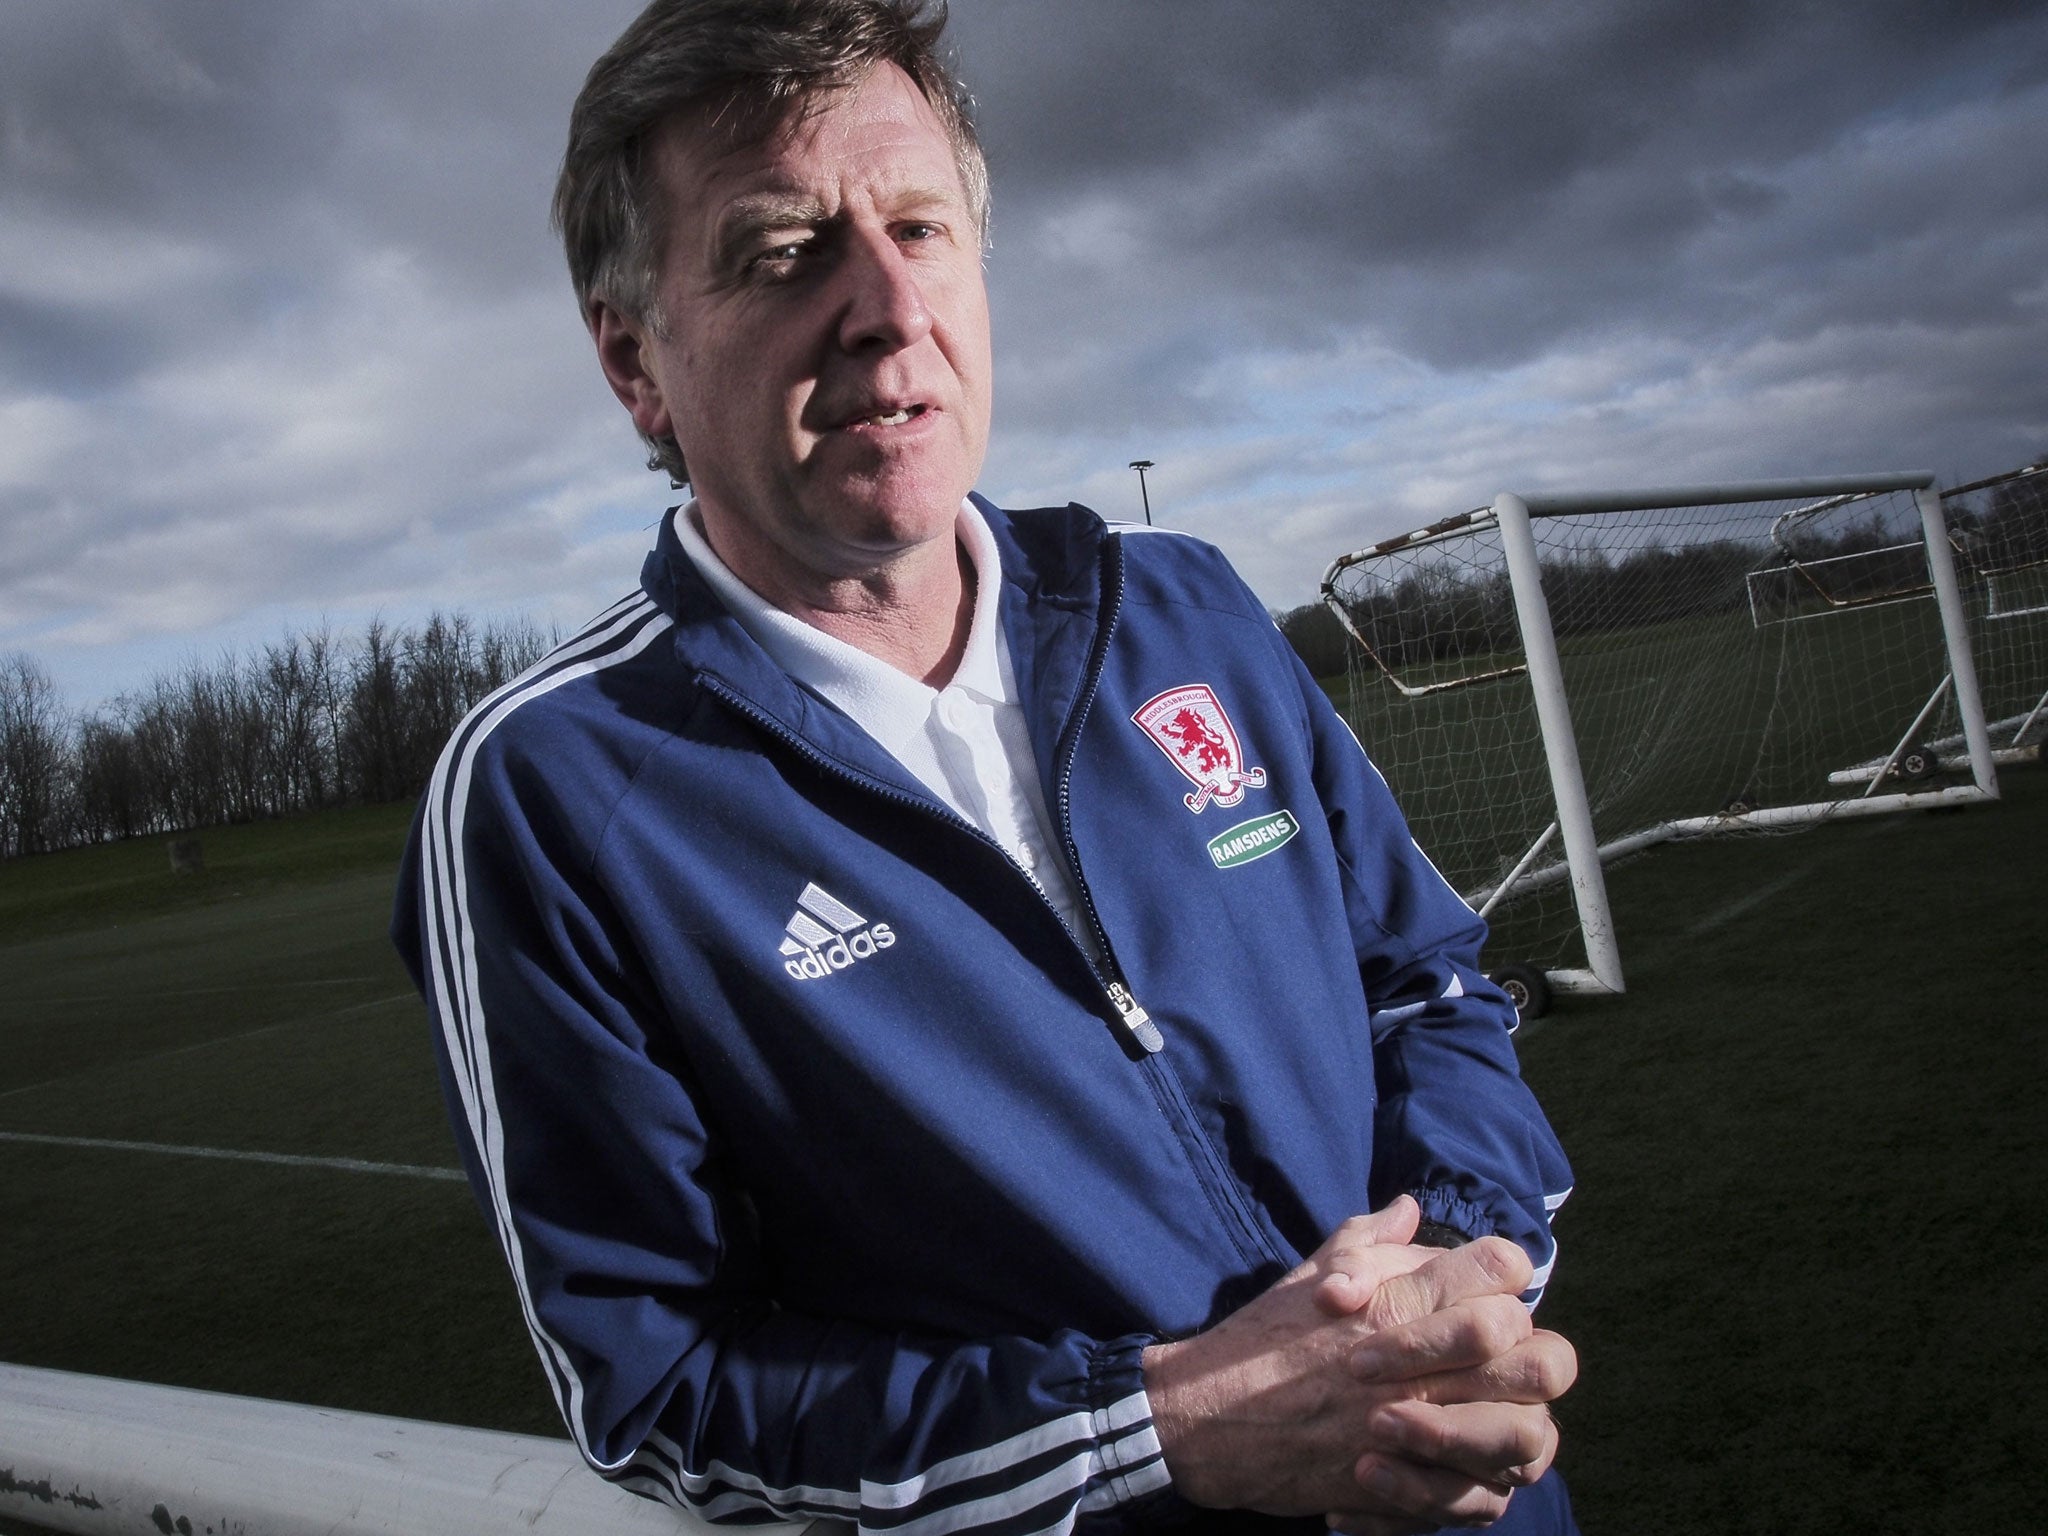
[[1713, 657]]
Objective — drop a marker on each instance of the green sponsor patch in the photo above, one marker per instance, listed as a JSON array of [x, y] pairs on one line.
[[1252, 839]]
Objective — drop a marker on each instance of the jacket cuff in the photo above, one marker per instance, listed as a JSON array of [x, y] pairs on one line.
[[1442, 1208], [1126, 1463]]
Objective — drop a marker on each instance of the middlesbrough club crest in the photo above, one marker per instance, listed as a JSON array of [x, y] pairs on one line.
[[1189, 726]]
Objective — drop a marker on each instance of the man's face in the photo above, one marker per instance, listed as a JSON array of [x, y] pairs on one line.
[[826, 367]]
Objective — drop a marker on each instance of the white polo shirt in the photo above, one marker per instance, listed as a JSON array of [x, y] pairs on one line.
[[967, 742]]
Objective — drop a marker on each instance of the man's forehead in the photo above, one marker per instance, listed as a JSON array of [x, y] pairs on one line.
[[723, 154]]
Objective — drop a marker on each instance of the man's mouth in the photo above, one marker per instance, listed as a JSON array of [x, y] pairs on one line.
[[895, 416]]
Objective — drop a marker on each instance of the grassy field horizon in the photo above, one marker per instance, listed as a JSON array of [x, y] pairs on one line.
[[1803, 1265]]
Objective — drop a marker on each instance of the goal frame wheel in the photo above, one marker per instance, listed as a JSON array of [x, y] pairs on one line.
[[1917, 764], [1526, 986]]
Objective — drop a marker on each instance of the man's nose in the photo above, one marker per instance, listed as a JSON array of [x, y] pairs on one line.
[[885, 308]]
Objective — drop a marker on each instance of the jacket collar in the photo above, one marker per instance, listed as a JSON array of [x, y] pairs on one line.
[[1059, 566], [1054, 571]]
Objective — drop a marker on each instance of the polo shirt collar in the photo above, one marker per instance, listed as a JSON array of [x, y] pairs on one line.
[[889, 705]]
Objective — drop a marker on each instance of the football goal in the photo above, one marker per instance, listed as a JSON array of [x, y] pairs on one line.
[[1557, 681], [1998, 530]]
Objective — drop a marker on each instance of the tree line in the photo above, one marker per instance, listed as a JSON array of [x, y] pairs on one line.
[[308, 722], [1440, 611]]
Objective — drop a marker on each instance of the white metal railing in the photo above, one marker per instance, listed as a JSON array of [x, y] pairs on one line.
[[95, 1455]]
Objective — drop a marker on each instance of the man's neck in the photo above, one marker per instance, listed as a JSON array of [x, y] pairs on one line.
[[921, 632], [914, 613]]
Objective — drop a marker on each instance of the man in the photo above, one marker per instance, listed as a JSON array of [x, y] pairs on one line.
[[924, 990]]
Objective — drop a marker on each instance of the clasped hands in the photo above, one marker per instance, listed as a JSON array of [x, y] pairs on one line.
[[1388, 1387]]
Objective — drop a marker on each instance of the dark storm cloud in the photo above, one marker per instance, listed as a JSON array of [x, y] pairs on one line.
[[1633, 238], [1278, 165], [199, 116], [282, 140], [283, 330]]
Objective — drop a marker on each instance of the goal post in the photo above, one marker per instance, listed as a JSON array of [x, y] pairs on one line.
[[1560, 749], [1559, 680], [1998, 529], [1956, 632]]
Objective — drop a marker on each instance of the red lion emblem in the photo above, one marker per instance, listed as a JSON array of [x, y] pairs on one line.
[[1196, 739]]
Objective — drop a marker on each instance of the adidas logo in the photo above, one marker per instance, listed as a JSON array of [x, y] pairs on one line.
[[827, 935]]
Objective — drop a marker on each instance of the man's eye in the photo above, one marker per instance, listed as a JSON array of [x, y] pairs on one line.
[[913, 232], [779, 260]]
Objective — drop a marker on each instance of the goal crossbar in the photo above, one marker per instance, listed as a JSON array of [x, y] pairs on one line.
[[1662, 497]]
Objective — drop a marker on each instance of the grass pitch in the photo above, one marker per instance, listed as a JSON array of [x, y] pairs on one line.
[[255, 1008], [1809, 1249], [1805, 1265]]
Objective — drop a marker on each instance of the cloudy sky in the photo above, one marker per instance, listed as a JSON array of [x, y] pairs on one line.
[[284, 336]]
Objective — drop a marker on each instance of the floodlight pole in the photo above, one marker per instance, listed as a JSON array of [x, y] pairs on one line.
[[1141, 465]]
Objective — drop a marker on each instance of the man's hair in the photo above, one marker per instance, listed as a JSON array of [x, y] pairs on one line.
[[747, 64]]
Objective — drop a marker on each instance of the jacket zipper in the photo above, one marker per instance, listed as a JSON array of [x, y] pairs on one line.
[[1063, 775], [1250, 1241]]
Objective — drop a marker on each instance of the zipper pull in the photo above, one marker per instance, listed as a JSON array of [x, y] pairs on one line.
[[1136, 1019]]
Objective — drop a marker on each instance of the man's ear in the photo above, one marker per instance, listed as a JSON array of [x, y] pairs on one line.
[[625, 357]]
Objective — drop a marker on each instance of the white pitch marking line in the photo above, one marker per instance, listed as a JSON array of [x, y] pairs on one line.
[[1876, 826], [1749, 903], [229, 1154]]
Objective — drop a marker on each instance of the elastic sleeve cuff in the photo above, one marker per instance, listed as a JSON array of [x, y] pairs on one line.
[[1442, 1208], [1444, 1212], [1126, 1463]]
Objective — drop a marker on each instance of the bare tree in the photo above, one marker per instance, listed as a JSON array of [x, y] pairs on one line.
[[509, 648], [373, 736], [111, 795], [297, 770], [35, 745], [442, 676]]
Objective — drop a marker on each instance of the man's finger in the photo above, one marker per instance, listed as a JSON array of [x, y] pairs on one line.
[[1379, 1525], [1540, 1369], [1505, 1445], [1492, 1266], [1352, 1278], [1349, 1270], [1431, 1494], [1394, 1222], [1466, 1333]]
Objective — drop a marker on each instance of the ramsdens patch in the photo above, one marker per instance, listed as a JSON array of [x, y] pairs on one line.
[[1188, 724], [1252, 839]]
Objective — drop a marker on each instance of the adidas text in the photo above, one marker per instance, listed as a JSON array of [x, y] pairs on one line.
[[840, 953], [827, 935]]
